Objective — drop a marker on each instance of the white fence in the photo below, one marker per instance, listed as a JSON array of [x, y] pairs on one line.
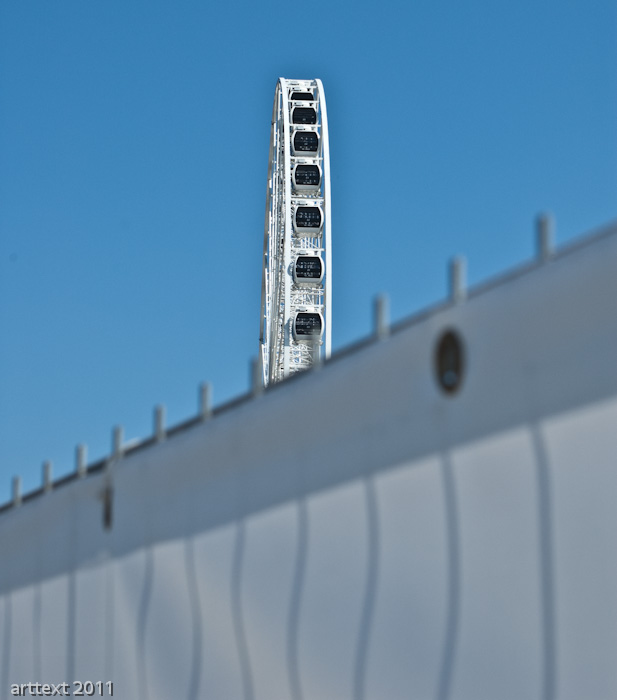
[[355, 532]]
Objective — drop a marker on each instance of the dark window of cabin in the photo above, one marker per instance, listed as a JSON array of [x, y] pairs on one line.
[[303, 96], [308, 217], [308, 324], [306, 142], [307, 175], [304, 115], [308, 267]]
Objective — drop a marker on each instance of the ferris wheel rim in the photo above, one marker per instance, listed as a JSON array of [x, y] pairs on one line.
[[297, 223]]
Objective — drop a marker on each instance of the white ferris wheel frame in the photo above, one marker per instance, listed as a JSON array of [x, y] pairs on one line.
[[280, 354]]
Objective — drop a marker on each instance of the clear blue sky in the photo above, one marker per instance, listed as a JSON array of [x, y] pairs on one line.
[[133, 157]]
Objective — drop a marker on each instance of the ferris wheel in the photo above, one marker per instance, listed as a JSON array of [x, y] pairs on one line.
[[296, 290]]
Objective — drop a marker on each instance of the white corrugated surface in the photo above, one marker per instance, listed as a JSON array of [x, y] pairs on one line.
[[406, 545]]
